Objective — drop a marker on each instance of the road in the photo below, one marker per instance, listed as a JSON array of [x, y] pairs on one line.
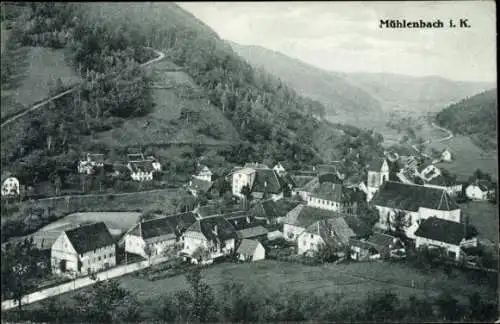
[[448, 137], [37, 106]]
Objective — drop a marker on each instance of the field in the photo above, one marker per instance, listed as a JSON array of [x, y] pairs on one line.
[[467, 157], [484, 216], [39, 68], [352, 281]]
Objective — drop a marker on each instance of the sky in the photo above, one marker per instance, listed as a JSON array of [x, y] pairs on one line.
[[346, 37]]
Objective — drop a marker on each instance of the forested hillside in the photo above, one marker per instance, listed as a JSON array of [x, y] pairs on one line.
[[106, 43], [475, 116], [332, 90]]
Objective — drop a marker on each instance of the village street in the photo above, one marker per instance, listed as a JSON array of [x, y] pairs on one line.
[[37, 106]]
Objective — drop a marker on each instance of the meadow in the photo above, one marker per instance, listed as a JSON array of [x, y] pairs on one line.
[[484, 216]]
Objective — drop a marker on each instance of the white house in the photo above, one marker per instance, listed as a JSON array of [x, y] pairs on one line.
[[82, 250], [91, 163], [439, 233], [251, 250], [334, 232], [446, 156], [158, 237], [204, 174], [141, 170], [416, 202], [378, 173], [480, 190], [214, 235], [261, 180], [11, 187]]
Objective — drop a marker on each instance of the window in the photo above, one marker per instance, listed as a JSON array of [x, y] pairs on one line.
[[99, 258], [311, 236]]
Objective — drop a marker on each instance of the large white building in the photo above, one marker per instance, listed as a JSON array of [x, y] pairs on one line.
[[416, 202], [378, 173], [83, 250]]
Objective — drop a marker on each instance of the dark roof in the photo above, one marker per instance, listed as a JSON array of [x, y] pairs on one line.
[[214, 209], [376, 165], [244, 221], [135, 157], [441, 230], [145, 166], [252, 232], [410, 197], [90, 237], [309, 215], [300, 181], [440, 181], [200, 185], [376, 242], [213, 228], [329, 191], [329, 177], [173, 225], [271, 209], [247, 246], [266, 177], [287, 179]]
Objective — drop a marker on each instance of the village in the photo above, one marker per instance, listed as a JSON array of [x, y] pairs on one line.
[[405, 205]]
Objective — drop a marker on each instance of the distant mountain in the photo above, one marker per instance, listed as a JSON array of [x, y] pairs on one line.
[[425, 94], [331, 89], [475, 116]]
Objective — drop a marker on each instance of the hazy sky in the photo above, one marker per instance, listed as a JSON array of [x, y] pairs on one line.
[[345, 36]]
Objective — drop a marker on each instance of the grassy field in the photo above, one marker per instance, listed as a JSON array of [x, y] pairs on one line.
[[484, 216], [353, 281], [467, 157]]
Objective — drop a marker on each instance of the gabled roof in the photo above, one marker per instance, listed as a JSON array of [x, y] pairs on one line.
[[252, 232], [411, 197], [333, 231], [288, 179], [244, 221], [300, 181], [144, 166], [90, 237], [376, 242], [213, 228], [168, 226], [308, 215], [441, 230], [247, 246], [329, 177], [329, 191], [271, 209], [266, 178]]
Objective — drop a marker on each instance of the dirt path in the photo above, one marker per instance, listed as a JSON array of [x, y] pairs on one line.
[[37, 106]]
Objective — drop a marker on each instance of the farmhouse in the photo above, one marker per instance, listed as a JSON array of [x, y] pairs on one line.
[[10, 187], [415, 202], [334, 232], [261, 180], [90, 163], [203, 174], [214, 235], [441, 234], [251, 250], [158, 237], [378, 173], [84, 249], [331, 196], [141, 170], [480, 190], [378, 245]]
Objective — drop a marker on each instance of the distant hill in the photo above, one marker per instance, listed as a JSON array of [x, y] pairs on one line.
[[425, 94], [475, 116], [329, 88]]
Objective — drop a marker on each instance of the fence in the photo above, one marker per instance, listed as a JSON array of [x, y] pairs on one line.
[[82, 282]]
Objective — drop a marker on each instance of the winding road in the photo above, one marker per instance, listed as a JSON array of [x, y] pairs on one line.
[[448, 137], [39, 105]]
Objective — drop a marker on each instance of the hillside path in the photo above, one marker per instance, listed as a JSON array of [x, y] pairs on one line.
[[37, 106], [446, 138]]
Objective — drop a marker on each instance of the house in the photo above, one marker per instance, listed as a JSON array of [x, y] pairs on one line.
[[141, 170], [279, 169], [416, 202], [480, 190], [331, 196], [440, 182], [377, 246], [247, 227], [10, 187], [429, 172], [261, 180], [84, 249], [378, 173], [301, 217], [214, 235], [271, 211], [198, 186], [446, 156], [251, 250], [443, 234], [305, 185], [158, 237], [203, 174], [90, 163], [334, 232]]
